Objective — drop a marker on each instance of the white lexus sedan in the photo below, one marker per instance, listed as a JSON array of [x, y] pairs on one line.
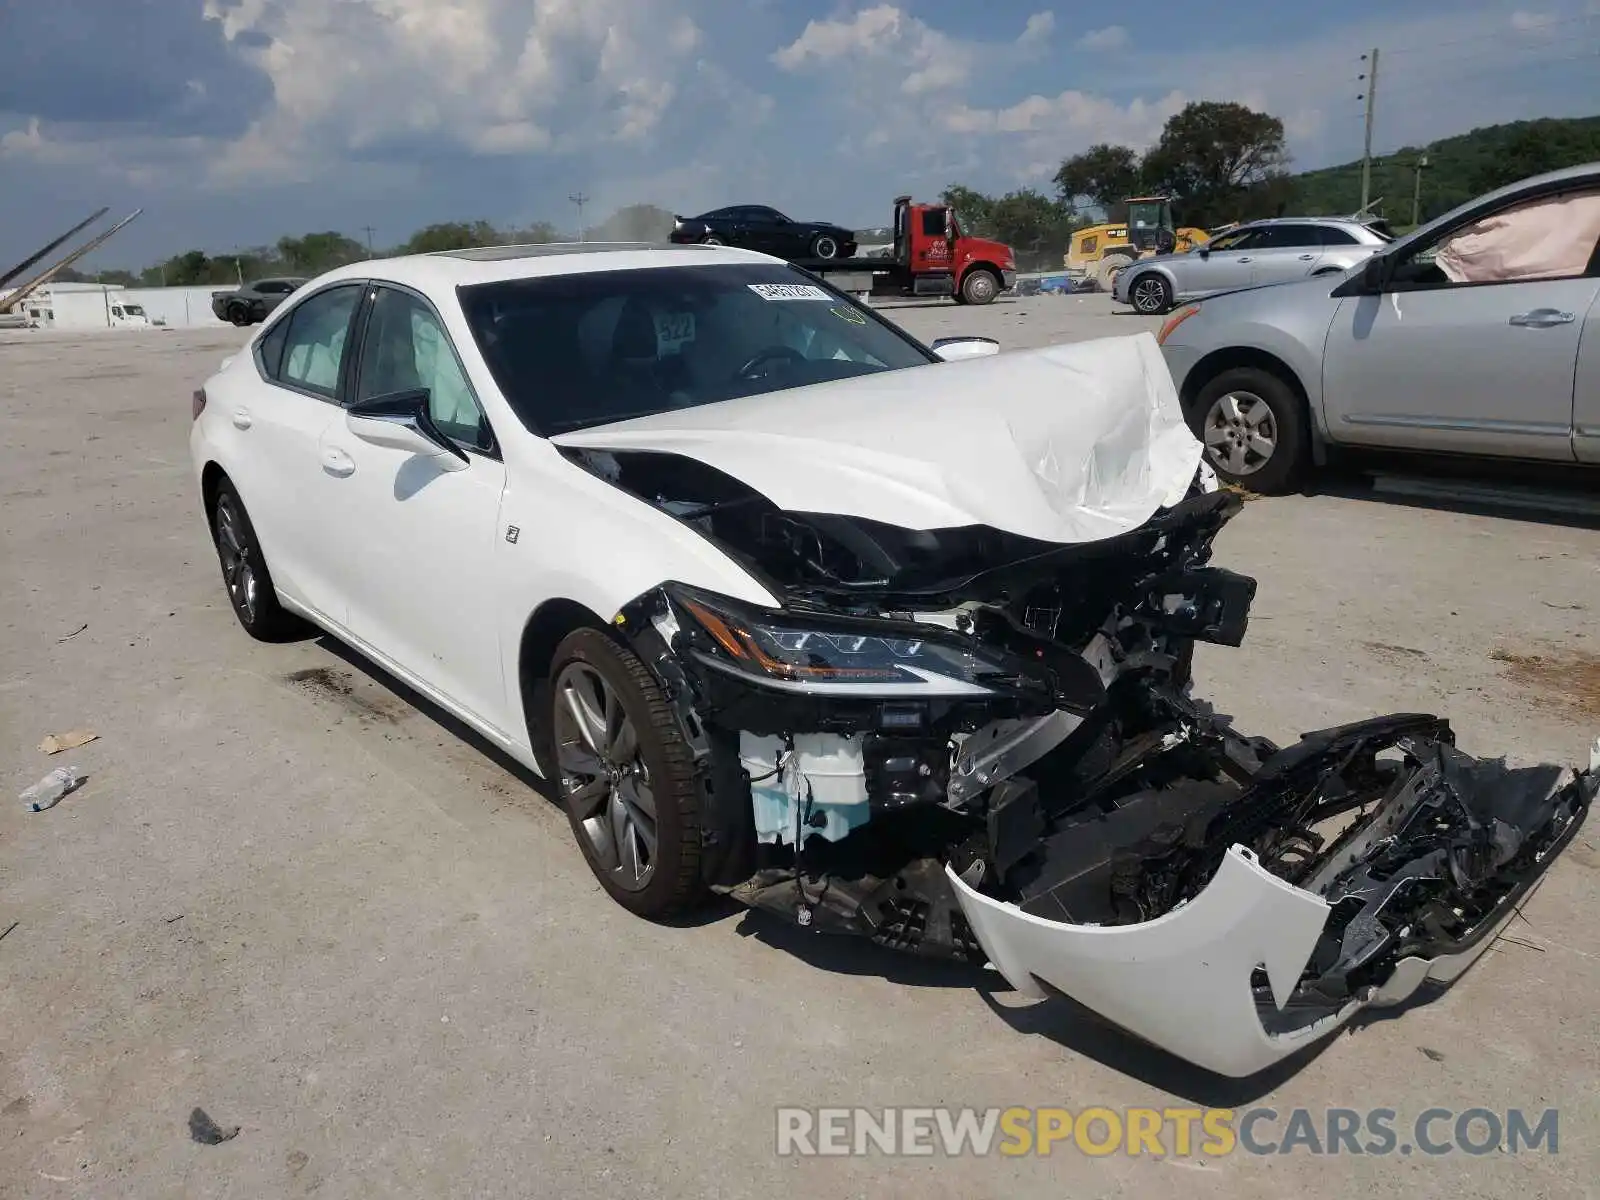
[[785, 605]]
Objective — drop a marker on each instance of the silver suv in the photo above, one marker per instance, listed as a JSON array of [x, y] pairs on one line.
[[1260, 252]]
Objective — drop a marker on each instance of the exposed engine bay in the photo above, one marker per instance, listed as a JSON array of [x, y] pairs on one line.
[[968, 744]]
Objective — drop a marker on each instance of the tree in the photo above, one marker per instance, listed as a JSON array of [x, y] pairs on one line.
[[636, 223], [1036, 227], [973, 209], [1213, 155], [1529, 151], [451, 235], [314, 253], [1104, 175]]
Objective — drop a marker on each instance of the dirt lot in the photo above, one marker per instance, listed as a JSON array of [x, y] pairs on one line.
[[289, 897]]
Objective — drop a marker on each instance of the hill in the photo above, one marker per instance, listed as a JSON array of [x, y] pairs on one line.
[[1458, 169]]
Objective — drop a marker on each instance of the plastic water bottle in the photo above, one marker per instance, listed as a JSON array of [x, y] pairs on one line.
[[51, 788]]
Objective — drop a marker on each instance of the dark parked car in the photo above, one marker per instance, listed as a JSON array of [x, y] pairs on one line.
[[252, 302], [756, 227]]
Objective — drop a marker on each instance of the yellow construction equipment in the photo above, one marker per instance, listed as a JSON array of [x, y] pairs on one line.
[[1100, 251]]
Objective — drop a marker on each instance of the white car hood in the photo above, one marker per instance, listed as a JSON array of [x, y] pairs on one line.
[[1068, 444]]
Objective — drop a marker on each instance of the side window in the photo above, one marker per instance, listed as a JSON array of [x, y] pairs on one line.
[[1332, 235], [1245, 239], [935, 222], [1285, 237], [269, 350], [407, 349], [1542, 240], [313, 351]]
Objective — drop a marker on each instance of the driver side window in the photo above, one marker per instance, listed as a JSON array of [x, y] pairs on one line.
[[1544, 239], [406, 349]]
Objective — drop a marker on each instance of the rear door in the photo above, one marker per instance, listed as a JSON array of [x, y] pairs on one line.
[[278, 419], [1285, 251]]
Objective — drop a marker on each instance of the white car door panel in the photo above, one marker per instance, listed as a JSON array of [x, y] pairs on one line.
[[1472, 369], [278, 423], [421, 539]]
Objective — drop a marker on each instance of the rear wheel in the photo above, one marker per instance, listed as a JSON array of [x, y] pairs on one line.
[[711, 239], [625, 775], [239, 314], [1253, 425], [980, 286], [244, 571], [824, 245]]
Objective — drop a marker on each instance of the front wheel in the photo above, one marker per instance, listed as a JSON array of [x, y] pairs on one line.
[[979, 287], [1254, 428], [625, 775], [1150, 294], [711, 239]]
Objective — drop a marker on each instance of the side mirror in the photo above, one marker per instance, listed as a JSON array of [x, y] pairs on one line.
[[1368, 281], [1203, 251], [400, 421], [953, 349]]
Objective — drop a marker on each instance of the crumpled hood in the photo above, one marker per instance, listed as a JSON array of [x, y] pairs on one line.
[[1067, 444]]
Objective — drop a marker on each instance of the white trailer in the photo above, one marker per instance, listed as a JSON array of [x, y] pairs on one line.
[[83, 306]]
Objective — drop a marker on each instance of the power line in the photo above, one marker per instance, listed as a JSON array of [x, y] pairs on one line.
[[1498, 35]]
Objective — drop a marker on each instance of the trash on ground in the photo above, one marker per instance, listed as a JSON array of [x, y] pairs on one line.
[[55, 743], [207, 1132], [74, 633], [51, 788], [5, 933]]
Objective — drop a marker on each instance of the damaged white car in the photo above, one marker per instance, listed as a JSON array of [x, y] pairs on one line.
[[791, 607]]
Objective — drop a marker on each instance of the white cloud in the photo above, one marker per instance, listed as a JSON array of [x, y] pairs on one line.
[[1537, 23], [492, 77], [1112, 37], [933, 60], [24, 142], [1040, 26]]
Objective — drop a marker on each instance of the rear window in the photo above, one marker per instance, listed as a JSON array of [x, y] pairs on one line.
[[574, 351]]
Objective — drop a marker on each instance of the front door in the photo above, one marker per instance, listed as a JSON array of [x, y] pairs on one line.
[[421, 538], [1454, 355], [1285, 252], [1227, 262]]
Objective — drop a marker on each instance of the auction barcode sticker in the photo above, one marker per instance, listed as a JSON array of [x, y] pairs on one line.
[[789, 291]]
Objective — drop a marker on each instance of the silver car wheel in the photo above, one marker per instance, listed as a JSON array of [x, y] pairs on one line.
[[604, 780], [1241, 434], [1149, 294], [238, 573]]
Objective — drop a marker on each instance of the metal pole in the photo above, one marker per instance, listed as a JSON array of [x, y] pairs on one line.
[[580, 200], [53, 246], [368, 230], [1366, 155], [1416, 194]]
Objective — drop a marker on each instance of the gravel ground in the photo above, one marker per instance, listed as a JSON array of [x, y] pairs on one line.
[[291, 897]]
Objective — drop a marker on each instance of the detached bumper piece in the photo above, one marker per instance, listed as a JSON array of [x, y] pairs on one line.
[[1225, 921]]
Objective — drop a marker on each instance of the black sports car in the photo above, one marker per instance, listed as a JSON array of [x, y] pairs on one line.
[[756, 227]]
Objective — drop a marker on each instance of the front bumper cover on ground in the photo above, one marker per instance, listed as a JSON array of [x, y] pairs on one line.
[[1185, 981]]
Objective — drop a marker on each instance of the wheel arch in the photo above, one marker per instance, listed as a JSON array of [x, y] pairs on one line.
[[211, 478], [1234, 357], [545, 629]]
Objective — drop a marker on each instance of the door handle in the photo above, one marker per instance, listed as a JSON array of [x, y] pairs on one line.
[[337, 463], [1541, 318], [242, 418], [1307, 257], [1242, 258]]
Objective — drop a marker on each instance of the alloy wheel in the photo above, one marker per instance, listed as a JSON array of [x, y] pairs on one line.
[[238, 571], [1149, 295], [605, 782], [1241, 434]]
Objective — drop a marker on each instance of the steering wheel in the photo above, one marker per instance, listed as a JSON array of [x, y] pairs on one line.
[[771, 353]]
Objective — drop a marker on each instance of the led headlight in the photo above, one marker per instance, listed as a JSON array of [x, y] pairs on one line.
[[799, 652]]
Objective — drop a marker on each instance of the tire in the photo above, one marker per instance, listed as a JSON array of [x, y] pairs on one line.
[[239, 315], [824, 245], [980, 286], [1150, 294], [712, 239], [245, 576], [608, 815], [1263, 405], [1107, 267]]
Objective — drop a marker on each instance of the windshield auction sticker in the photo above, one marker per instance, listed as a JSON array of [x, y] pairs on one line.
[[788, 291]]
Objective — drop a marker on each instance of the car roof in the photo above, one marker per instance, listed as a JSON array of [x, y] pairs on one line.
[[444, 270]]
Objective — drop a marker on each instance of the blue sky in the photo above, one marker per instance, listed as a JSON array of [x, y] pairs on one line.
[[235, 121]]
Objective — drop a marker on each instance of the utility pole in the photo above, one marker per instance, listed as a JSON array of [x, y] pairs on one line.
[[580, 200], [367, 229], [1416, 194], [1371, 97]]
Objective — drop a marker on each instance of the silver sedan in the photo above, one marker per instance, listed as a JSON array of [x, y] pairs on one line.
[[1261, 252], [1478, 334]]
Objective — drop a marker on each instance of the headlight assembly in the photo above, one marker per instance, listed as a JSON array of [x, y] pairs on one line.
[[821, 654]]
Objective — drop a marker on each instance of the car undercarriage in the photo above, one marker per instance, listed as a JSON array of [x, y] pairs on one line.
[[965, 744]]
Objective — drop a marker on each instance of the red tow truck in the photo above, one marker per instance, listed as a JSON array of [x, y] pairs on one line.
[[931, 257]]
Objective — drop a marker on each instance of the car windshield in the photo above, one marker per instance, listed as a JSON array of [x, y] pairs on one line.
[[574, 351], [1230, 241], [133, 310]]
